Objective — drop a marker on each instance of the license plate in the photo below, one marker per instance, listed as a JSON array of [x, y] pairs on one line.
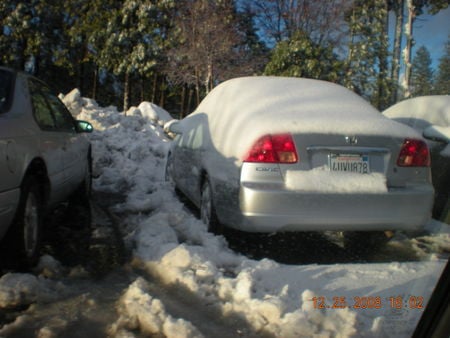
[[353, 163]]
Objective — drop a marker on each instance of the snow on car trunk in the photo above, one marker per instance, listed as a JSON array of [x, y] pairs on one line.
[[171, 244]]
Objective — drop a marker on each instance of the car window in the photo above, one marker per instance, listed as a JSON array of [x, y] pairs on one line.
[[197, 140], [63, 119], [42, 111], [6, 84]]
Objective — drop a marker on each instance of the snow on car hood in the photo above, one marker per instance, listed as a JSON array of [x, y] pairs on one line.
[[241, 110]]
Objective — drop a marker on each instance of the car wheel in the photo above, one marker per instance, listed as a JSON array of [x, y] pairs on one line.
[[207, 210], [24, 240], [441, 203], [365, 242], [83, 193]]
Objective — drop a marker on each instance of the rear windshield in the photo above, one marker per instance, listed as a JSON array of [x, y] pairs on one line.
[[6, 85]]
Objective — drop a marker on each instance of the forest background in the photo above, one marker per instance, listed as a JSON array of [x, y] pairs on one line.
[[173, 52]]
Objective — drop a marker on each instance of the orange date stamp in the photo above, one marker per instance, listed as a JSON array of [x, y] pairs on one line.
[[370, 302]]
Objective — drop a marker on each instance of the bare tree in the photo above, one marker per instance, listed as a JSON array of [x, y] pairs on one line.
[[322, 20], [206, 45], [397, 7]]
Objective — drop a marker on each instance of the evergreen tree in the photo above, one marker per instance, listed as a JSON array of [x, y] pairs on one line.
[[22, 33], [366, 65], [442, 83], [84, 26], [300, 57], [421, 73], [132, 40]]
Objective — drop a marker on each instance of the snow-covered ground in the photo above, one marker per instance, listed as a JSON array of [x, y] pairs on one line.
[[173, 246]]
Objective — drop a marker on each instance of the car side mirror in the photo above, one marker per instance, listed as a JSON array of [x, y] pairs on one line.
[[437, 133], [84, 127], [174, 127]]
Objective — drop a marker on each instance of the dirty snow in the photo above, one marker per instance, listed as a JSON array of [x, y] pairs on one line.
[[174, 247]]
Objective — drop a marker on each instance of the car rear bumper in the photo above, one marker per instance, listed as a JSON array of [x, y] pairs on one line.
[[266, 209], [8, 204]]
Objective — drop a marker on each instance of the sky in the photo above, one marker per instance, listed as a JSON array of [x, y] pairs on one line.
[[432, 31]]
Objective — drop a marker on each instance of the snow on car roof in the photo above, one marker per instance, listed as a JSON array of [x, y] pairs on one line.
[[244, 109], [422, 111]]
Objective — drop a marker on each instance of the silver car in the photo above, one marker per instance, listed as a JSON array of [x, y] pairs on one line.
[[430, 116], [44, 159], [269, 154]]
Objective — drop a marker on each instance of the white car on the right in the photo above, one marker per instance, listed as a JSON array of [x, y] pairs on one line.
[[430, 115]]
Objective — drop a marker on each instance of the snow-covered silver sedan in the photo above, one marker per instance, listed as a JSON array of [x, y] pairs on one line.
[[430, 116], [44, 159], [268, 154]]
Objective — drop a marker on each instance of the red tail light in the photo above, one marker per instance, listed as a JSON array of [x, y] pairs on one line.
[[273, 149], [414, 153]]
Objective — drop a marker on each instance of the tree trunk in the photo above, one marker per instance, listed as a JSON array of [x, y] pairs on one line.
[[126, 93], [162, 98], [155, 78], [209, 78], [94, 85], [408, 47], [80, 77], [142, 88], [197, 85], [182, 100], [397, 50], [189, 103], [383, 87], [348, 67]]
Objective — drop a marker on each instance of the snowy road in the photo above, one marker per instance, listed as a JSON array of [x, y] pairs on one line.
[[96, 271], [148, 267]]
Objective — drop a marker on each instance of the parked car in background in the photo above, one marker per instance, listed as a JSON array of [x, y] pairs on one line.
[[269, 154], [44, 159], [430, 116]]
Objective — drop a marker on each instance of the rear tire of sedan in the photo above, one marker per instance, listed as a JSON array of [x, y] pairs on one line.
[[365, 242], [23, 241], [207, 210]]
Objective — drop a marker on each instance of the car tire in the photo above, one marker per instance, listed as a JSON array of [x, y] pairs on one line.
[[440, 208], [364, 242], [84, 190], [207, 210], [23, 241]]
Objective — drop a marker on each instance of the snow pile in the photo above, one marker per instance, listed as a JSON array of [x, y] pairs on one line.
[[127, 149], [18, 289], [73, 101], [321, 180], [175, 247], [139, 310]]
